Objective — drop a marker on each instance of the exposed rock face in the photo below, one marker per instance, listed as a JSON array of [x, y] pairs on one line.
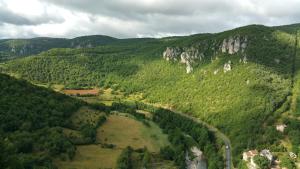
[[186, 55], [189, 68], [244, 60], [21, 51], [171, 54], [233, 45], [198, 162], [227, 67], [190, 55]]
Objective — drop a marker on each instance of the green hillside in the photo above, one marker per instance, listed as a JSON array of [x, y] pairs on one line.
[[244, 102], [30, 122]]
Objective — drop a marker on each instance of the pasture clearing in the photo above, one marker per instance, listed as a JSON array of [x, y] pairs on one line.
[[124, 131]]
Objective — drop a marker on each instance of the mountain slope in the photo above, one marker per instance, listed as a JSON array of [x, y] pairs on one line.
[[237, 79], [29, 124]]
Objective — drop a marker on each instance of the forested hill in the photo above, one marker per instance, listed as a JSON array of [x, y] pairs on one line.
[[239, 81], [30, 121], [13, 48]]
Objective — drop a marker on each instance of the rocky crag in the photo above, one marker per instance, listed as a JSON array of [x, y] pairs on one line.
[[194, 54]]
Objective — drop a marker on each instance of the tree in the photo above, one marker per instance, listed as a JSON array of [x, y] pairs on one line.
[[287, 162], [89, 131], [146, 158], [167, 153], [262, 162], [124, 160]]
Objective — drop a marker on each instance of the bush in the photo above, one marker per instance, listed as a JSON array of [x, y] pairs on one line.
[[89, 131], [262, 162], [124, 160], [167, 153], [287, 162]]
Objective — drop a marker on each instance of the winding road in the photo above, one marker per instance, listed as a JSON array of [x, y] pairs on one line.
[[217, 132]]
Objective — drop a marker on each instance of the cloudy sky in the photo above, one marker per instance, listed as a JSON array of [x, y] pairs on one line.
[[138, 18]]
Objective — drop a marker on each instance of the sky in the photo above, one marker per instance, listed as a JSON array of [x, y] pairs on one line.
[[138, 18]]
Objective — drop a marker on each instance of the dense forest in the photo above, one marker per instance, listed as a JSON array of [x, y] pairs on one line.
[[30, 124]]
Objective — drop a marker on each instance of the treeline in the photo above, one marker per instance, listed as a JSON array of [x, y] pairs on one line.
[[130, 109], [30, 121]]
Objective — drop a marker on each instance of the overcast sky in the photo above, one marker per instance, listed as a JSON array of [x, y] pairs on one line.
[[138, 18]]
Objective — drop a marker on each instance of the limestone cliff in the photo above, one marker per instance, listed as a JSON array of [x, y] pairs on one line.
[[196, 53], [234, 45], [186, 56]]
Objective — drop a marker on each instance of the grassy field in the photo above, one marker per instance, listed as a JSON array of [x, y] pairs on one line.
[[124, 131], [91, 157]]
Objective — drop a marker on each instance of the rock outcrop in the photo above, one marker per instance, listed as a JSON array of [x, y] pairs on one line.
[[227, 67], [172, 53], [244, 60], [190, 55], [234, 45], [197, 162], [186, 56]]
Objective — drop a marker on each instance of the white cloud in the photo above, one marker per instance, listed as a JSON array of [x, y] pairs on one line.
[[138, 18]]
